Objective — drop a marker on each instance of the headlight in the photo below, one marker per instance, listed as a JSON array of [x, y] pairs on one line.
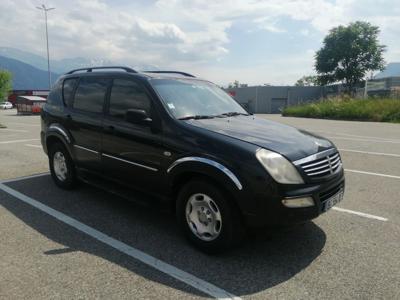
[[282, 170]]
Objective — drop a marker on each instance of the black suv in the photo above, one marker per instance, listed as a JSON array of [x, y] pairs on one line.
[[188, 142]]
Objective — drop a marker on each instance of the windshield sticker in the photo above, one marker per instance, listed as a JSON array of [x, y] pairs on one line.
[[171, 105]]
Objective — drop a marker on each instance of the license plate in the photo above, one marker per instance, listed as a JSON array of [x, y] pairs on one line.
[[332, 201]]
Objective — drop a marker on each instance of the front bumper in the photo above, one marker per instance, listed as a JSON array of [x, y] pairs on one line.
[[271, 211]]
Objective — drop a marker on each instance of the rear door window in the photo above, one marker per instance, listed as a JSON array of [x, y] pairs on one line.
[[90, 94], [127, 94]]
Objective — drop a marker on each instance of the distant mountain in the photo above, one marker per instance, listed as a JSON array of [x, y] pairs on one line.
[[58, 66], [25, 76], [30, 70], [392, 69], [64, 65]]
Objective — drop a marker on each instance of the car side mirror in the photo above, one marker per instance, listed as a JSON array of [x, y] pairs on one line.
[[137, 116]]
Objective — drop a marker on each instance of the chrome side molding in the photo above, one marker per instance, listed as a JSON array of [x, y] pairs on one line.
[[86, 149], [208, 162], [130, 162]]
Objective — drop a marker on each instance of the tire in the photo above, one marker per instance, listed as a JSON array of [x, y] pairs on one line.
[[199, 203], [62, 168]]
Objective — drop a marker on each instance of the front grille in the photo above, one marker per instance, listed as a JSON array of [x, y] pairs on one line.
[[322, 166], [329, 193]]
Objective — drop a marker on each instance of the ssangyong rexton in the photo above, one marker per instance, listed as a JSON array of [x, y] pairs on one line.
[[188, 142]]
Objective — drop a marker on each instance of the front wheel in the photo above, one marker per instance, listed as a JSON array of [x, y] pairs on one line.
[[208, 218], [62, 168]]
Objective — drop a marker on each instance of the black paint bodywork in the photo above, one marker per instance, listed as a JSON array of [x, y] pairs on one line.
[[231, 142]]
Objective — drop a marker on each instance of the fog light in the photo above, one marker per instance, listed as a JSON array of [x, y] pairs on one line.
[[298, 202]]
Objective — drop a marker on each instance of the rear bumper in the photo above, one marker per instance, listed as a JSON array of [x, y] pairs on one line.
[[271, 211]]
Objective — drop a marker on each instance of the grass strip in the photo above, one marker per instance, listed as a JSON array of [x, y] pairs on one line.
[[375, 110]]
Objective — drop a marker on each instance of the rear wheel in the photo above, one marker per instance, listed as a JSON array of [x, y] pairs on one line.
[[62, 168], [207, 217]]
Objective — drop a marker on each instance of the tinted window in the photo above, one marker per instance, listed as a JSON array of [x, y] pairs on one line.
[[55, 94], [68, 88], [89, 95], [126, 94]]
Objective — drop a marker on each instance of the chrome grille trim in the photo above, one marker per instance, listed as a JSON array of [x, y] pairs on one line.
[[337, 164], [315, 156], [320, 164], [317, 163], [317, 168]]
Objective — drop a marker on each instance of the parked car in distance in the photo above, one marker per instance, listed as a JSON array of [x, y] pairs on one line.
[[6, 105], [189, 143]]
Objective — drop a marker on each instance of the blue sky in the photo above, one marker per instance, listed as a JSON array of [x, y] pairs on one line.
[[253, 41]]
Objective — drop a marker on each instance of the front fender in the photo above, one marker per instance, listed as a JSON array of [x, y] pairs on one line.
[[217, 172]]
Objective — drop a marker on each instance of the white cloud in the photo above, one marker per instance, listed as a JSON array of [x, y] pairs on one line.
[[190, 34], [158, 32]]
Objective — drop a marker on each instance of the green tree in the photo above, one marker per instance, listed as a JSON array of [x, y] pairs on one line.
[[237, 84], [309, 80], [234, 84], [348, 53], [5, 83]]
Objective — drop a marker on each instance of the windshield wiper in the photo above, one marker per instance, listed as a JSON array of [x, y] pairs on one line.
[[233, 113], [197, 117], [227, 114]]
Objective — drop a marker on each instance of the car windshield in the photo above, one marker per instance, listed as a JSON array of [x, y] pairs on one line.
[[194, 99]]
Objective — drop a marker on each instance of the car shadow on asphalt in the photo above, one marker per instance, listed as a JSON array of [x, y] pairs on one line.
[[261, 262]]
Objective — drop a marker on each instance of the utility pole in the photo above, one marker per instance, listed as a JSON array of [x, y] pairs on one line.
[[45, 10]]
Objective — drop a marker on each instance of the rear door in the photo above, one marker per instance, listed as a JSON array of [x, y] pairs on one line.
[[86, 118], [132, 153]]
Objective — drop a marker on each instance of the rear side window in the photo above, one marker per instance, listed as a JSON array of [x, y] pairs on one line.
[[54, 97], [68, 89], [127, 94], [90, 93]]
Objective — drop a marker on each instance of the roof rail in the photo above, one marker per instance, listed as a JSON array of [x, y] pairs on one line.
[[89, 69], [171, 72]]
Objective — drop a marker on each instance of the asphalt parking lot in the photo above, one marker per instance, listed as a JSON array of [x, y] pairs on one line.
[[87, 243]]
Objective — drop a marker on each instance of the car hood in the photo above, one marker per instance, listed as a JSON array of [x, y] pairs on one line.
[[291, 142]]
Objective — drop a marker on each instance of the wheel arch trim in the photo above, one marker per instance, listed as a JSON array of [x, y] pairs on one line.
[[209, 162], [58, 128]]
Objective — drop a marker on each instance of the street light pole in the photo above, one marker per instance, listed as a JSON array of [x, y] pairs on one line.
[[45, 10]]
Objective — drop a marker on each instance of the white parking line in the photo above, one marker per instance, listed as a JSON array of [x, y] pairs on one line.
[[34, 146], [362, 140], [23, 124], [149, 260], [360, 214], [17, 141], [15, 130], [24, 177], [368, 152], [371, 173], [359, 136]]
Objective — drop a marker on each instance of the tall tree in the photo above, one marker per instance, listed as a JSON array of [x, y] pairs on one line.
[[348, 53], [5, 83]]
